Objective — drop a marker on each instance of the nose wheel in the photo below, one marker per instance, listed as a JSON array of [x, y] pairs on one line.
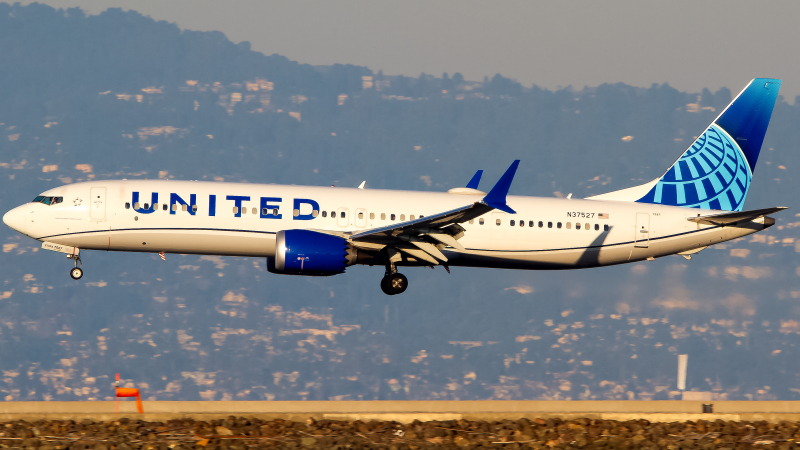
[[394, 283], [76, 272]]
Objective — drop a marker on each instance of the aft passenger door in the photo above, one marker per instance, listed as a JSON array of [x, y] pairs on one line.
[[641, 238], [97, 203]]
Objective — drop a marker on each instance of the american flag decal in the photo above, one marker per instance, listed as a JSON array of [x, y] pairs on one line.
[[602, 216], [161, 254]]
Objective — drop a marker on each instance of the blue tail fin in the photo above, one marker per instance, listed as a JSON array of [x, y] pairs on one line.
[[715, 172]]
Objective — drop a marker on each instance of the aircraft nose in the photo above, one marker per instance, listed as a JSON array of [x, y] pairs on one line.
[[15, 219]]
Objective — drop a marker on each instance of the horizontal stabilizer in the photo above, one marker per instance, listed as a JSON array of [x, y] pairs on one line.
[[735, 217]]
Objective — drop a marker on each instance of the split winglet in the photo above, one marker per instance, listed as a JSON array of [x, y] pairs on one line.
[[496, 198], [476, 180]]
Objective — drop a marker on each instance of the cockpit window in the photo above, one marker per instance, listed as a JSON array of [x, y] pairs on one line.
[[48, 200]]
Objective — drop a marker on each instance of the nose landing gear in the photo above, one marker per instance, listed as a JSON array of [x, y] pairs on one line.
[[393, 282], [76, 272]]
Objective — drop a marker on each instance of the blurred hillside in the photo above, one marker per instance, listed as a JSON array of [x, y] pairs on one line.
[[120, 95]]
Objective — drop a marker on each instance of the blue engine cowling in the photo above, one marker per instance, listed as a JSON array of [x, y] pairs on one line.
[[303, 252]]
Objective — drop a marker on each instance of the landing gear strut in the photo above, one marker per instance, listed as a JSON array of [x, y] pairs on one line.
[[393, 282], [76, 272]]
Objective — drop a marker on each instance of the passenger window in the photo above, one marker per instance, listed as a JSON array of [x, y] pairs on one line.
[[174, 206], [371, 216], [480, 221], [185, 207], [235, 209], [402, 217], [194, 208], [588, 227], [296, 212], [127, 205], [383, 216], [342, 215], [333, 214], [360, 215], [146, 206], [569, 225], [596, 227], [314, 213], [511, 223], [391, 216], [577, 226], [264, 212], [471, 221], [275, 212], [324, 213], [421, 216], [136, 205], [558, 225], [530, 223], [522, 223], [164, 206], [244, 210], [549, 224], [605, 227], [412, 217]]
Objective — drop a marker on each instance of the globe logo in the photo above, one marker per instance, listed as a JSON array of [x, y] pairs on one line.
[[711, 174]]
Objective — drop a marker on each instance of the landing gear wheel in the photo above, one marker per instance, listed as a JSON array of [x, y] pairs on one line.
[[76, 273], [385, 285], [393, 284]]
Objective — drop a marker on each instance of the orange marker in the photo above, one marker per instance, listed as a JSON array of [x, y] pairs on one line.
[[127, 392]]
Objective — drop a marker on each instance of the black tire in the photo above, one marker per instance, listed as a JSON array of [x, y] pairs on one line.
[[385, 285], [397, 283], [76, 273]]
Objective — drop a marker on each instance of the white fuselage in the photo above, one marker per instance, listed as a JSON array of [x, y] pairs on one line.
[[582, 233]]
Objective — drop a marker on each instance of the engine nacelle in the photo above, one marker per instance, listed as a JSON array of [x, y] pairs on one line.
[[303, 252]]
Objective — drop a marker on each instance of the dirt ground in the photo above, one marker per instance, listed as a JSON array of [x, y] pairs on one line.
[[240, 433]]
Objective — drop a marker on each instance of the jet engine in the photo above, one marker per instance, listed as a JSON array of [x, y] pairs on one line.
[[304, 252]]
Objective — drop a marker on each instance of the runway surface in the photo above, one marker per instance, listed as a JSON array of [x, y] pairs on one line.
[[408, 411]]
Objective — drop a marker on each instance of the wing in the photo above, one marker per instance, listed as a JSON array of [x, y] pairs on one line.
[[425, 237], [730, 218]]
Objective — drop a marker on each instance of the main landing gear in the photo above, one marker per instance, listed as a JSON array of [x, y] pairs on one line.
[[393, 282], [76, 272]]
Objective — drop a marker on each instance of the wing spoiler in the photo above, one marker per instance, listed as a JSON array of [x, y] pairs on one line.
[[730, 218]]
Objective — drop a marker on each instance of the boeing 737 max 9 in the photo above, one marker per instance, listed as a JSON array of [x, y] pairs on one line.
[[318, 231]]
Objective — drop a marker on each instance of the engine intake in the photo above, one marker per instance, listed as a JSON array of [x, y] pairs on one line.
[[303, 252]]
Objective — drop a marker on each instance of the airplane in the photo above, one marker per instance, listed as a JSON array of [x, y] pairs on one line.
[[320, 231]]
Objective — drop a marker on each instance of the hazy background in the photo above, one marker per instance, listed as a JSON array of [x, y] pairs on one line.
[[690, 44], [118, 94]]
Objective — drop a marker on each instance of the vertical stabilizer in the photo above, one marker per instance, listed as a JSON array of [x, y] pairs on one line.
[[716, 170]]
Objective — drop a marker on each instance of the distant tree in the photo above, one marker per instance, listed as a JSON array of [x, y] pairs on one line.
[[447, 83], [503, 86]]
